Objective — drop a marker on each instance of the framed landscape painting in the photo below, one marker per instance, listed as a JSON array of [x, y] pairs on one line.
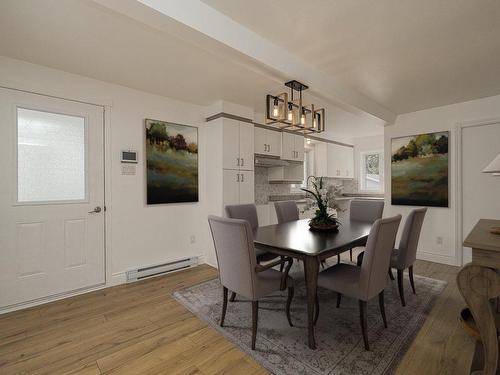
[[171, 162], [419, 170]]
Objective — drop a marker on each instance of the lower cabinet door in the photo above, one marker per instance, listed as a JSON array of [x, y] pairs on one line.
[[231, 186], [247, 188]]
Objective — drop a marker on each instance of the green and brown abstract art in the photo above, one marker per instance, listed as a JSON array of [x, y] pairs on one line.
[[171, 162], [419, 170]]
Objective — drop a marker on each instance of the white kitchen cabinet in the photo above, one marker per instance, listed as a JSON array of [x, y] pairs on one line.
[[273, 218], [333, 160], [263, 214], [292, 147], [238, 187], [238, 145], [267, 142]]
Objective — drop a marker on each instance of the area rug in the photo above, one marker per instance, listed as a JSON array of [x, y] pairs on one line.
[[283, 349]]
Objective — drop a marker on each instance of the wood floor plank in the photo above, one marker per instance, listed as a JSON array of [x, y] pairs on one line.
[[140, 328]]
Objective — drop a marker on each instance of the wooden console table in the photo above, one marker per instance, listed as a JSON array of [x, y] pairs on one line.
[[479, 283]]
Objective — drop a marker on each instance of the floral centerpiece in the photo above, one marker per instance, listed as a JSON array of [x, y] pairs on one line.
[[323, 199]]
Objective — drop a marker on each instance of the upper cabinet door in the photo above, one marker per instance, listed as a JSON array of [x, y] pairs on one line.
[[320, 159], [246, 140], [288, 146], [299, 148], [334, 157], [231, 144], [349, 162], [260, 140], [273, 142]]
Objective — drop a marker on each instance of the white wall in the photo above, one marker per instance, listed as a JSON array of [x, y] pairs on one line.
[[439, 222], [365, 144], [138, 235]]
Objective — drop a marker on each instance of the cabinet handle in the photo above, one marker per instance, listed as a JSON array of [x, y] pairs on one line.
[[242, 177], [269, 148], [237, 177], [242, 162], [238, 162]]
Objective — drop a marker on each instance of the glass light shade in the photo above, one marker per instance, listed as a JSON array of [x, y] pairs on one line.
[[494, 166]]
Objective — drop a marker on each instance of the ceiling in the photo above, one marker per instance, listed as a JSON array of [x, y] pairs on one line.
[[405, 55], [82, 37]]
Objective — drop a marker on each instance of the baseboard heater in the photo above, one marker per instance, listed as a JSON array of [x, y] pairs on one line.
[[161, 269]]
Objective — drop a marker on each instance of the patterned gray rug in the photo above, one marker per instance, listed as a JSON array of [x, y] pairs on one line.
[[283, 349]]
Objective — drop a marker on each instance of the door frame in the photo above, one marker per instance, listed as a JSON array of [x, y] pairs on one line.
[[459, 127], [106, 105]]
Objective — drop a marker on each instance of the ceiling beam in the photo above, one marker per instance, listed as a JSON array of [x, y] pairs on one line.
[[198, 23]]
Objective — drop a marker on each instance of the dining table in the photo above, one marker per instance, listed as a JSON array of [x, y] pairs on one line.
[[296, 240]]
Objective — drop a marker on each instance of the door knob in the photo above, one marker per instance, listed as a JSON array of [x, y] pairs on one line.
[[95, 210]]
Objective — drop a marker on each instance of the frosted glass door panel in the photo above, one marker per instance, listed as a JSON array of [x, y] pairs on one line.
[[50, 157]]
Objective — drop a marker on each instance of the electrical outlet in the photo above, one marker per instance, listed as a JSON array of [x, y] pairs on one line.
[[439, 240], [192, 239]]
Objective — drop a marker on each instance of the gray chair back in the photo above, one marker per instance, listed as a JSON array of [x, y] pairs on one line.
[[246, 212], [407, 250], [233, 241], [366, 210], [286, 211], [373, 277]]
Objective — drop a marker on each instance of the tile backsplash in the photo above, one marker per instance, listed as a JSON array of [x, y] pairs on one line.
[[263, 189]]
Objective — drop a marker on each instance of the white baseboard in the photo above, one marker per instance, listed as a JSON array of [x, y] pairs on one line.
[[437, 258]]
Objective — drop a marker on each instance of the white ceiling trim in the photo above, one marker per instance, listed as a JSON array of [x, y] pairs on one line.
[[219, 33]]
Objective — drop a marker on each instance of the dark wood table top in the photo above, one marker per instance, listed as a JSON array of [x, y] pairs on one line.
[[296, 237]]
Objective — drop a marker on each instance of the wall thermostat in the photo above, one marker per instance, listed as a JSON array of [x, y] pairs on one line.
[[129, 156]]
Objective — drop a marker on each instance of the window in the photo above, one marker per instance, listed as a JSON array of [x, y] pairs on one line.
[[372, 171], [307, 171], [50, 157]]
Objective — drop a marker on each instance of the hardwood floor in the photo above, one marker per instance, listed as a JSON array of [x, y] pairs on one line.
[[140, 329]]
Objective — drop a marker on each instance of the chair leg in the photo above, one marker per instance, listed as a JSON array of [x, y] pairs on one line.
[[401, 287], [410, 271], [224, 305], [255, 318], [282, 266], [338, 259], [233, 297], [391, 275], [316, 310], [382, 307], [288, 303], [339, 297], [364, 323], [350, 254]]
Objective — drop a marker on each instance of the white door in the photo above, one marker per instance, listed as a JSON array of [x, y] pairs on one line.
[[246, 146], [479, 190], [52, 163], [231, 144]]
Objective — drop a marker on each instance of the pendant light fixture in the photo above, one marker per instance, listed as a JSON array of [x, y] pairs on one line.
[[292, 114]]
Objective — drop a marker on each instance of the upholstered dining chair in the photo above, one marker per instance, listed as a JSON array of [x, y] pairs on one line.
[[405, 255], [365, 210], [248, 212], [365, 282], [239, 270], [286, 211]]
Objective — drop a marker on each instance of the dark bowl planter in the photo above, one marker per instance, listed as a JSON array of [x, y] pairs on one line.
[[323, 227]]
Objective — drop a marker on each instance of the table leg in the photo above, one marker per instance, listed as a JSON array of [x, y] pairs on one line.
[[478, 285], [311, 269]]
